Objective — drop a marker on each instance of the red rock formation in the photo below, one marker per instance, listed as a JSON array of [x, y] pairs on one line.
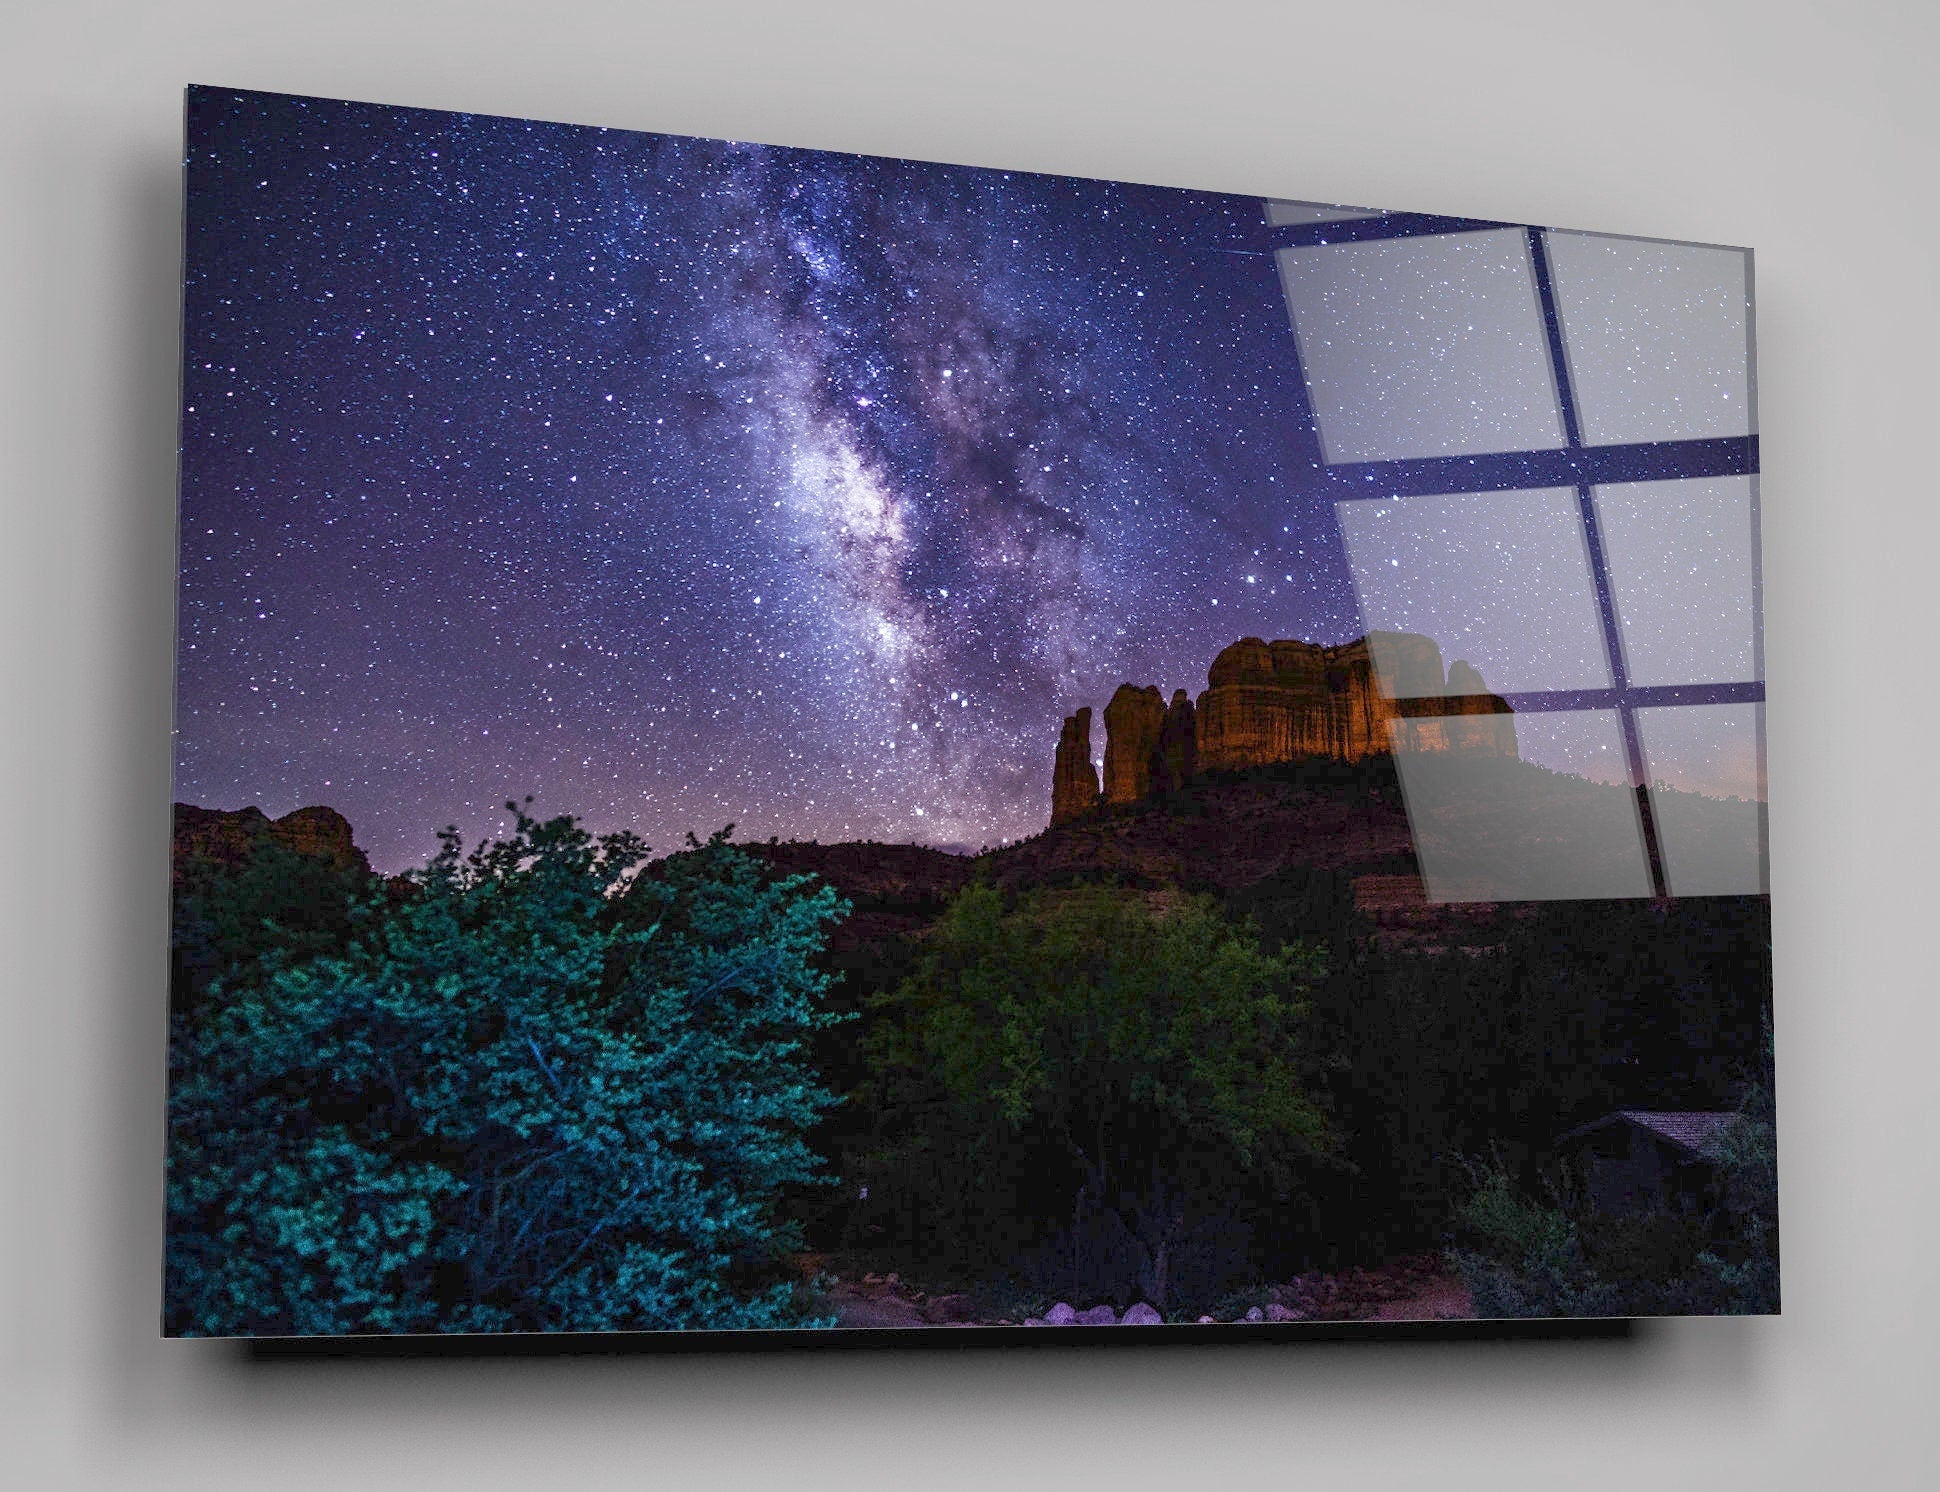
[[220, 837], [1274, 703], [1278, 702], [1177, 762], [1134, 721], [1074, 780]]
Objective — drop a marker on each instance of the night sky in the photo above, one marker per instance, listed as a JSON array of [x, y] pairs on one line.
[[679, 482]]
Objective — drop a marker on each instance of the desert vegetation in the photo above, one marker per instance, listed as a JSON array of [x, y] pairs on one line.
[[553, 1083]]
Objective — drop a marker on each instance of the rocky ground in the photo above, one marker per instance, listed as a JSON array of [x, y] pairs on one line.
[[1418, 1288]]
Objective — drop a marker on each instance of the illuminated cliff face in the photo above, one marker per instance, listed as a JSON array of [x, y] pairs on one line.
[[1133, 722], [1074, 780], [1275, 702], [1279, 702]]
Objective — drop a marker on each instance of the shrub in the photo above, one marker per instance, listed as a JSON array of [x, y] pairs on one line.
[[1565, 1258], [516, 1100], [1141, 1046]]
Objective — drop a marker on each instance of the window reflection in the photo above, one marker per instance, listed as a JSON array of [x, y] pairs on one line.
[[1680, 561], [1707, 791], [1656, 337], [1501, 580], [1558, 823], [1619, 620], [1430, 346]]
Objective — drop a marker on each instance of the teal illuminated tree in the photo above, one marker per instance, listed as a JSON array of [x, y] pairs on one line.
[[541, 1089]]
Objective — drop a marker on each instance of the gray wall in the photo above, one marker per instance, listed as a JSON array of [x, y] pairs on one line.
[[1807, 131]]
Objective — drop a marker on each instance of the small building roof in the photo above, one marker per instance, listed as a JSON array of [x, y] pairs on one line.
[[1699, 1133]]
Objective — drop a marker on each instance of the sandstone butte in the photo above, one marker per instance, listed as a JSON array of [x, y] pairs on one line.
[[1271, 702], [221, 837]]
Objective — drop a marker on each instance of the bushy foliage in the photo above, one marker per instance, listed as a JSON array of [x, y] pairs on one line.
[[1563, 1257], [1529, 1259], [1745, 1265], [1422, 1056], [1098, 1065], [276, 904], [540, 1092]]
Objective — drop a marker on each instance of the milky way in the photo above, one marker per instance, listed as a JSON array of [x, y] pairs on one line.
[[679, 482]]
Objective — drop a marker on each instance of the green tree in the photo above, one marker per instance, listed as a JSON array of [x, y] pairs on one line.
[[1145, 1038], [543, 1092]]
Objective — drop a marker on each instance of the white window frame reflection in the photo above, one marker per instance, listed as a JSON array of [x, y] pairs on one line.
[[1584, 467]]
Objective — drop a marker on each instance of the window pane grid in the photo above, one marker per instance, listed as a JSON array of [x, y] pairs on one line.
[[1691, 860]]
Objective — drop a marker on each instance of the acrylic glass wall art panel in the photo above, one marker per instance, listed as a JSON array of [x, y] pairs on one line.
[[781, 741]]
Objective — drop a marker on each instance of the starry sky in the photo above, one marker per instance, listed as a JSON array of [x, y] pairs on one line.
[[679, 482]]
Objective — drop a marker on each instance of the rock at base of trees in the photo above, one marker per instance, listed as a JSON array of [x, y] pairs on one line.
[[1064, 1314]]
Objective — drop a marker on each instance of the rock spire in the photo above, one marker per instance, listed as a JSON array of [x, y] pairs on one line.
[[1270, 702]]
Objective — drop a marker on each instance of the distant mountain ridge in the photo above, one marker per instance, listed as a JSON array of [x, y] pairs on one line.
[[1283, 762]]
